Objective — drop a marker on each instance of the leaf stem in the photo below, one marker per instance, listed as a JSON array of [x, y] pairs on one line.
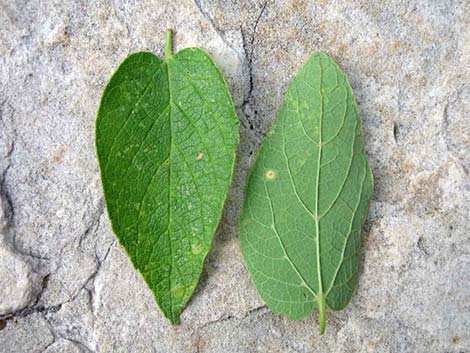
[[322, 312], [168, 44]]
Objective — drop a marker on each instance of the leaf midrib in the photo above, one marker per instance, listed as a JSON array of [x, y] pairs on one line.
[[165, 62], [316, 214], [317, 182]]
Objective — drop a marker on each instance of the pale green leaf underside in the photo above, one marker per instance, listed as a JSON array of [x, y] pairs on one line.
[[307, 197], [166, 135]]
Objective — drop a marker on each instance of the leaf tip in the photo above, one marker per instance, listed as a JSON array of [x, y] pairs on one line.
[[174, 319]]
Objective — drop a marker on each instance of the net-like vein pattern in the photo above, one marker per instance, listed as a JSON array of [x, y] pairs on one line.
[[311, 173], [166, 138]]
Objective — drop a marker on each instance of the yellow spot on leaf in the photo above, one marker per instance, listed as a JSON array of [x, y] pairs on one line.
[[196, 248], [199, 156], [270, 174], [178, 292]]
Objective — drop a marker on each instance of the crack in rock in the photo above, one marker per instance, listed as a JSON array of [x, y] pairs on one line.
[[56, 336], [445, 129], [94, 223], [224, 318], [91, 278], [249, 47], [34, 308], [214, 25], [230, 317], [7, 204], [249, 53]]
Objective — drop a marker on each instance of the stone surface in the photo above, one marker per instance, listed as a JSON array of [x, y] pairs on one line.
[[15, 282], [29, 334], [76, 290]]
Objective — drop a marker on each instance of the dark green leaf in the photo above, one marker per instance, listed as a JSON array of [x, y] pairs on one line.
[[166, 135]]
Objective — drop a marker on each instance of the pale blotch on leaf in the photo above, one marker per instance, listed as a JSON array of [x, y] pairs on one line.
[[179, 292], [199, 156], [270, 174], [196, 248]]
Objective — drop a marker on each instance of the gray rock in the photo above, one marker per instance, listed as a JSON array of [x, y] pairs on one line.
[[67, 286], [63, 346], [14, 281], [30, 334]]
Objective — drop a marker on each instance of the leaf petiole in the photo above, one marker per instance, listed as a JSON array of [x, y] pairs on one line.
[[168, 44], [322, 313]]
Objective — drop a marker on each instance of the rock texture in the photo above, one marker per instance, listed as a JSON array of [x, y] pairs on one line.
[[66, 284]]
